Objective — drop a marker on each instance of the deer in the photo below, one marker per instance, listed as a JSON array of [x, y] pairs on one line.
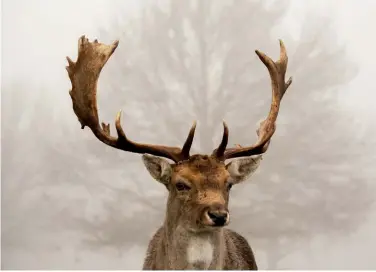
[[194, 233]]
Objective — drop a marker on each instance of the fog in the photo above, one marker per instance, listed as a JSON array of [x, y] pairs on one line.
[[70, 202]]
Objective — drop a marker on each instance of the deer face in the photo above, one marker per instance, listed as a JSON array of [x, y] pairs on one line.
[[199, 187]]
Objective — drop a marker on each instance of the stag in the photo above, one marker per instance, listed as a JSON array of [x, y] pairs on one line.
[[193, 234]]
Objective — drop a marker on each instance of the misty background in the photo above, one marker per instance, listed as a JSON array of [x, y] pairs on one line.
[[70, 202]]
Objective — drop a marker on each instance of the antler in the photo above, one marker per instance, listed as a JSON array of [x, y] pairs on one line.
[[277, 71], [84, 74]]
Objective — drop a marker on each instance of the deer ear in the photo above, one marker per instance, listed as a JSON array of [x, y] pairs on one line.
[[242, 168], [159, 168]]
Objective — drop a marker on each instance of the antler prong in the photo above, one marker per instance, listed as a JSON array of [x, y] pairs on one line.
[[106, 129], [188, 142], [71, 65], [219, 152], [119, 129], [288, 82], [282, 53]]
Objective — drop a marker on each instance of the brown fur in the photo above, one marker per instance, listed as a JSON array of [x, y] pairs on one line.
[[184, 220], [234, 249]]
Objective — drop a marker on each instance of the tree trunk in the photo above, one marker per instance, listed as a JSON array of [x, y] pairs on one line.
[[205, 129]]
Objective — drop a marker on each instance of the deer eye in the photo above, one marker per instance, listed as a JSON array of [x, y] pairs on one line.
[[229, 186], [180, 186]]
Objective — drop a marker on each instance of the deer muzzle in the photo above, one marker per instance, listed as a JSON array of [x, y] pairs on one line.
[[216, 216]]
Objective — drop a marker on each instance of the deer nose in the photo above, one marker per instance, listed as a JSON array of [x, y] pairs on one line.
[[219, 218]]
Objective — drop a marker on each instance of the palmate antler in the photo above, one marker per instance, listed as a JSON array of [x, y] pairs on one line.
[[277, 71], [84, 74]]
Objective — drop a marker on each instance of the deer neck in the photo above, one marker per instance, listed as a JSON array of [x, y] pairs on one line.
[[186, 249]]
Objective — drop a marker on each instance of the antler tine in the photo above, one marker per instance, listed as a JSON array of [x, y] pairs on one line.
[[277, 71], [219, 152], [188, 142], [84, 74]]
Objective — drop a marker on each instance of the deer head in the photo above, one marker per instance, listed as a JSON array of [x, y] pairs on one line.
[[198, 185]]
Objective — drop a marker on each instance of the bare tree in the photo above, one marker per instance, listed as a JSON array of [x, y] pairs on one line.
[[194, 60]]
